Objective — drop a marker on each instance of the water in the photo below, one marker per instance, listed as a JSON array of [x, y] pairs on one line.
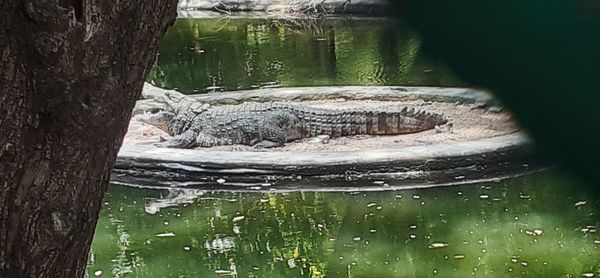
[[212, 54], [541, 225]]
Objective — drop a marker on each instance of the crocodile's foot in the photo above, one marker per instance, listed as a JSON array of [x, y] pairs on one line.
[[182, 141]]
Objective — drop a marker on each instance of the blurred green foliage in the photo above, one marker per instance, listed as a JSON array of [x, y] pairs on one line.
[[541, 58]]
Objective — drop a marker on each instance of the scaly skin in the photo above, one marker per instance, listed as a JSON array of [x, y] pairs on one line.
[[193, 124]]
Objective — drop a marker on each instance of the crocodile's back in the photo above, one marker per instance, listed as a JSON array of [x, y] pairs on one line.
[[309, 121]]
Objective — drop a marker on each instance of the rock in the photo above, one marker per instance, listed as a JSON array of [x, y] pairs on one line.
[[343, 141], [480, 105], [233, 148], [494, 109], [447, 128], [321, 139]]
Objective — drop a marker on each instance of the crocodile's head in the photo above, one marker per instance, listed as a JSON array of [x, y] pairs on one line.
[[160, 119], [176, 113]]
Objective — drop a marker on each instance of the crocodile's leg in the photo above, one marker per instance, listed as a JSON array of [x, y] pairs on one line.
[[271, 138], [181, 141]]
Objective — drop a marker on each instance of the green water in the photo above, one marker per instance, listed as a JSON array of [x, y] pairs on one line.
[[541, 225], [247, 53]]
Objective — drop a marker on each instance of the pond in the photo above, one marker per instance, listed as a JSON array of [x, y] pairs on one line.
[[540, 224], [199, 56]]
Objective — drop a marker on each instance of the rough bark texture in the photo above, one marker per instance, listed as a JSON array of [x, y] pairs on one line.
[[70, 73]]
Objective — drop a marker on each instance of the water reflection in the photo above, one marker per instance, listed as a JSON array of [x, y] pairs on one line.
[[209, 55], [538, 225], [174, 197]]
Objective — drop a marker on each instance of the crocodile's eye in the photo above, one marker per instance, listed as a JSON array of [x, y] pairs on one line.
[[154, 110]]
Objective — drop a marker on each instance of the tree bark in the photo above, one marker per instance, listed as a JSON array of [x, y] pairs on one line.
[[70, 73]]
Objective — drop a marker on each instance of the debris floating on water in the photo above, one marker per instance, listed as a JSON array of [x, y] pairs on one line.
[[589, 229], [436, 245], [167, 234], [238, 218], [291, 263], [535, 232]]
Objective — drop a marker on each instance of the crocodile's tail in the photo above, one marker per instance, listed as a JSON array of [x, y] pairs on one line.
[[373, 122]]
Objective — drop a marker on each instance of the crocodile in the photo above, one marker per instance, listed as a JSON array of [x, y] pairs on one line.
[[192, 123]]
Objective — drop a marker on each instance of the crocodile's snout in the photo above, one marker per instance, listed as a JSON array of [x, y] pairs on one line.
[[160, 119]]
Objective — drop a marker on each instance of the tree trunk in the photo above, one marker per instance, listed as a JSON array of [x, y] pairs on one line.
[[70, 73]]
